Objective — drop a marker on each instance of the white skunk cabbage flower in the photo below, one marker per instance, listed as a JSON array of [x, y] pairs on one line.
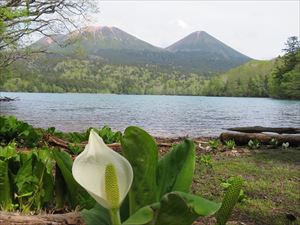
[[105, 174]]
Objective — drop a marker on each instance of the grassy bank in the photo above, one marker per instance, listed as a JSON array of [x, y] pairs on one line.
[[271, 186], [270, 193]]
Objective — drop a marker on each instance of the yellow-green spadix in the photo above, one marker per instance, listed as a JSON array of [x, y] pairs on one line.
[[105, 174]]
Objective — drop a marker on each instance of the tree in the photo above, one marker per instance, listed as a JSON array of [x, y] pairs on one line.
[[20, 19], [283, 82], [292, 47]]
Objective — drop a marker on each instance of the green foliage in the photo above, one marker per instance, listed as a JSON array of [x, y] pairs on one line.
[[169, 179], [75, 148], [249, 79], [97, 215], [284, 81], [76, 194], [109, 136], [254, 144], [214, 143], [175, 170], [230, 144], [29, 180], [5, 192], [77, 75], [105, 132], [42, 177], [141, 151], [23, 133], [178, 208], [279, 78], [206, 160]]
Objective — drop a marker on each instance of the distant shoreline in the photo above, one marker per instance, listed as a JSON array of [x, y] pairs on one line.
[[2, 94]]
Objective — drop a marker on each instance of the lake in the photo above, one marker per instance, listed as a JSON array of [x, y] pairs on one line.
[[165, 116]]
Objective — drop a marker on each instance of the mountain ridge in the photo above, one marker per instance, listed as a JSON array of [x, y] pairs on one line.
[[198, 51]]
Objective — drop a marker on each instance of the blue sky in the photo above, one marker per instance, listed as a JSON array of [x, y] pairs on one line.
[[255, 28]]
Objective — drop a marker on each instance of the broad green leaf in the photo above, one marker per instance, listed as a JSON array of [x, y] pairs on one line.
[[230, 199], [45, 156], [5, 190], [42, 169], [24, 179], [8, 151], [60, 189], [77, 194], [201, 206], [140, 217], [175, 208], [124, 209], [141, 151], [176, 169], [97, 215], [183, 209]]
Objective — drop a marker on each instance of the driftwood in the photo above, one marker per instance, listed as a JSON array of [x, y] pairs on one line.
[[7, 99], [244, 138], [258, 129], [65, 144], [72, 218]]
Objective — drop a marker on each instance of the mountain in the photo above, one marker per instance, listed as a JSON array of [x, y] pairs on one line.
[[200, 48], [93, 39], [200, 41], [198, 52]]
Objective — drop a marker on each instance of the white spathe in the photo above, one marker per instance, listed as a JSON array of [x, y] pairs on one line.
[[89, 170]]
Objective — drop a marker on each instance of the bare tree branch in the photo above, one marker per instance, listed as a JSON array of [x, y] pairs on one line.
[[22, 18]]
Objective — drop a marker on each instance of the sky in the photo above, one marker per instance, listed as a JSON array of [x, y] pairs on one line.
[[255, 28]]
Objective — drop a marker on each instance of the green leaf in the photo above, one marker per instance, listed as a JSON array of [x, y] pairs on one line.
[[5, 190], [201, 206], [175, 208], [97, 215], [8, 151], [60, 189], [24, 179], [176, 169], [140, 217], [141, 151], [183, 209], [77, 194], [43, 170], [45, 156], [230, 199]]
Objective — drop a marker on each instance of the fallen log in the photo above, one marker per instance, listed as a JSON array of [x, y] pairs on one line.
[[259, 129], [66, 145], [7, 99], [244, 138], [72, 218]]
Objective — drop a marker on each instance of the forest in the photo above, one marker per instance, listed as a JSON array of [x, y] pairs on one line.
[[278, 78], [24, 70]]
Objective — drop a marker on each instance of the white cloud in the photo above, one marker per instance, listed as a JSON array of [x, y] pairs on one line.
[[182, 24]]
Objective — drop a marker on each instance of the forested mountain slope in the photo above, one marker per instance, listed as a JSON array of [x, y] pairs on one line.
[[250, 79], [198, 52]]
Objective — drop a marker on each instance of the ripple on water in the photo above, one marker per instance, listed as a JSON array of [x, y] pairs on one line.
[[160, 115]]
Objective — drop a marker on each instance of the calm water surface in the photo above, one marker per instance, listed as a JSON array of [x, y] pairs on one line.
[[159, 115]]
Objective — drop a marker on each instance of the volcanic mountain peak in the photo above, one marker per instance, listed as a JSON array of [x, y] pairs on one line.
[[201, 41], [198, 51]]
